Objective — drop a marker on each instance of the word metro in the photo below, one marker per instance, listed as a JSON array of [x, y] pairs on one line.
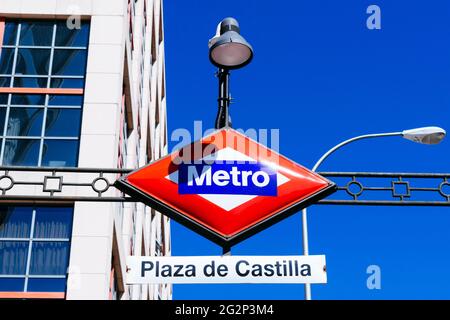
[[248, 178]]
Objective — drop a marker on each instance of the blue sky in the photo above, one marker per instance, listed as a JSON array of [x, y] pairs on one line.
[[320, 77]]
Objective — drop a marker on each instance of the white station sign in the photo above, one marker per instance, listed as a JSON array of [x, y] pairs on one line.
[[226, 269]]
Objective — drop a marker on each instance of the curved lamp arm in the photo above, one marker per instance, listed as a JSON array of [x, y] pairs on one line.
[[426, 135], [338, 146]]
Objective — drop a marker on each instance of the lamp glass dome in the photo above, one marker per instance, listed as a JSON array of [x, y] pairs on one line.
[[231, 54], [426, 135], [228, 49]]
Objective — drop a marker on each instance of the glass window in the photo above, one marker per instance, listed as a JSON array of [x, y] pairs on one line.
[[69, 62], [67, 83], [6, 61], [65, 100], [20, 82], [63, 122], [5, 82], [28, 99], [21, 152], [36, 33], [2, 119], [54, 223], [12, 284], [33, 61], [49, 258], [25, 122], [4, 98], [13, 257], [46, 285], [10, 34], [42, 54], [60, 153], [66, 37], [47, 261], [15, 222]]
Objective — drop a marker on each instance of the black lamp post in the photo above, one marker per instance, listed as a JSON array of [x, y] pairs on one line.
[[228, 50]]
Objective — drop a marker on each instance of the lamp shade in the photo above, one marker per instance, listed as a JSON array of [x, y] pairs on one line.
[[426, 135], [228, 49]]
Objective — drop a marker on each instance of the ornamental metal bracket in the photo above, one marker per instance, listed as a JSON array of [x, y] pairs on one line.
[[389, 189], [49, 184]]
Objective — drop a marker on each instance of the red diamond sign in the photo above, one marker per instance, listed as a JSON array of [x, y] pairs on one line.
[[226, 186]]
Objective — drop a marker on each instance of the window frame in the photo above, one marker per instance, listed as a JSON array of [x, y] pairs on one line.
[[48, 91], [30, 240]]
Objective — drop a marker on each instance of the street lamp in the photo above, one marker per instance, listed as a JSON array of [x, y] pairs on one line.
[[228, 50], [426, 135]]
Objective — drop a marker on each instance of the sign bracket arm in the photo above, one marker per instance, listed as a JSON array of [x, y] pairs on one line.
[[226, 250]]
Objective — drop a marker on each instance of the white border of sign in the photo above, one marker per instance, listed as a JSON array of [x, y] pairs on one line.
[[226, 269]]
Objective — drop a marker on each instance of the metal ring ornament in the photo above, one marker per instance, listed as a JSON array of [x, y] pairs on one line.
[[441, 189], [96, 181], [354, 194], [11, 182]]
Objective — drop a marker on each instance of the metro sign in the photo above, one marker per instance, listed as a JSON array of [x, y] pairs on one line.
[[226, 186]]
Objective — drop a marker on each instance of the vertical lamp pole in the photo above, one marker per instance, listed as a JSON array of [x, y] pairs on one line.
[[228, 50], [427, 135], [223, 119]]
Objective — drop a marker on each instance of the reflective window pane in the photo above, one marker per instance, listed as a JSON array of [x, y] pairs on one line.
[[10, 35], [60, 153], [21, 82], [21, 152], [36, 33], [49, 258], [15, 222], [13, 257], [46, 285], [28, 99], [67, 36], [33, 61], [5, 82], [67, 83], [65, 100], [25, 122], [12, 284], [53, 222], [2, 119], [6, 61], [69, 62], [63, 122], [4, 98]]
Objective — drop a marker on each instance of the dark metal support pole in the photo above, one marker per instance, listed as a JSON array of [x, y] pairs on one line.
[[226, 251], [223, 116]]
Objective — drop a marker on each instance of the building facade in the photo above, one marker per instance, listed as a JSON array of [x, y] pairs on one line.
[[82, 84]]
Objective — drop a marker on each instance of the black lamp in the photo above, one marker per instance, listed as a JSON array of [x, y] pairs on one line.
[[228, 50]]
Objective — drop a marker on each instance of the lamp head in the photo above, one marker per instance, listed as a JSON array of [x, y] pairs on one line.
[[426, 135], [228, 49]]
